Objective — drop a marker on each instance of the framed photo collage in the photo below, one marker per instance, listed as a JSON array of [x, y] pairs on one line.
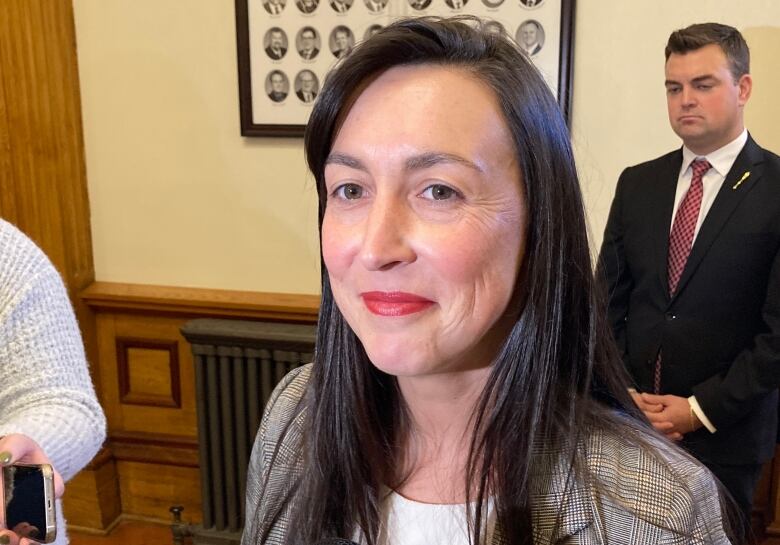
[[286, 47]]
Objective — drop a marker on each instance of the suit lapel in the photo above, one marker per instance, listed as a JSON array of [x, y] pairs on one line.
[[726, 202], [660, 207]]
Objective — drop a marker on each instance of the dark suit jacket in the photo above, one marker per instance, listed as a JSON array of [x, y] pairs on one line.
[[306, 9], [313, 53], [720, 332], [300, 95], [270, 53]]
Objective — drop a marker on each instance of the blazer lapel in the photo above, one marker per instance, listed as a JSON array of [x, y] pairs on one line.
[[726, 202], [660, 208]]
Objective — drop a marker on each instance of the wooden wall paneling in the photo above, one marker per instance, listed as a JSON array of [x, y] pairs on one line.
[[148, 372], [152, 430], [151, 412], [150, 416], [155, 448], [7, 194], [149, 490], [109, 395]]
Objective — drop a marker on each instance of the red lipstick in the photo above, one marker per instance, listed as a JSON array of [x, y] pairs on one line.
[[394, 303]]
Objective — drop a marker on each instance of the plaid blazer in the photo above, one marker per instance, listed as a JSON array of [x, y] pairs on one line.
[[643, 497]]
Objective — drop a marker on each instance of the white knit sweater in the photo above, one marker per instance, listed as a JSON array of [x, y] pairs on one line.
[[45, 389]]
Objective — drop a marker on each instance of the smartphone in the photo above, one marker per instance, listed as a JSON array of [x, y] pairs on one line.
[[28, 501]]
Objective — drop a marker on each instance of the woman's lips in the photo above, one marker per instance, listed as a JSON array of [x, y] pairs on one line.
[[394, 303]]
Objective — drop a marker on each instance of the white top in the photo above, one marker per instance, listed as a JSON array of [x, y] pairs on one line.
[[45, 389], [409, 522]]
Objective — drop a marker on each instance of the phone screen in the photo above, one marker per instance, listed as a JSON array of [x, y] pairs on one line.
[[25, 500]]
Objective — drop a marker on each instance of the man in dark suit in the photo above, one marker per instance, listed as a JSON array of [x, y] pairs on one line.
[[307, 6], [274, 7], [530, 36], [306, 86], [691, 259], [308, 43], [277, 44], [341, 6], [375, 6], [277, 81], [343, 40]]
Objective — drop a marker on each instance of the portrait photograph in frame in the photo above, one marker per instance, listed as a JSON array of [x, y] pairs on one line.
[[286, 47]]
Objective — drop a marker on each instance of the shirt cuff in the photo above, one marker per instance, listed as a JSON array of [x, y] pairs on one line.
[[696, 408]]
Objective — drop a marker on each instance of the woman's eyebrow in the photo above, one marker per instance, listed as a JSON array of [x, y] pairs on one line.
[[345, 160], [416, 162], [429, 159]]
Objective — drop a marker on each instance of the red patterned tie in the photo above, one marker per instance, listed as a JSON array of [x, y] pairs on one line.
[[681, 238]]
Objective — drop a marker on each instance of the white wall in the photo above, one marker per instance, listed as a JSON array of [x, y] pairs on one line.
[[178, 197]]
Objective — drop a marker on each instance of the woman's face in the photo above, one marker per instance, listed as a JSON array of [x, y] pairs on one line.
[[424, 228]]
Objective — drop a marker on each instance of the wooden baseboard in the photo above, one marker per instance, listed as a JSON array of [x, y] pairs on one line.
[[96, 531]]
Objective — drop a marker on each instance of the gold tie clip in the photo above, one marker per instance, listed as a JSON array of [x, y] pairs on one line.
[[744, 177]]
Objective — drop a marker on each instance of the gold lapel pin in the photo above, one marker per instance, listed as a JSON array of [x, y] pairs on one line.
[[744, 177]]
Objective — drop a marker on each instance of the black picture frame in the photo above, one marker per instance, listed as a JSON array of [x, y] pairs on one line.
[[284, 114]]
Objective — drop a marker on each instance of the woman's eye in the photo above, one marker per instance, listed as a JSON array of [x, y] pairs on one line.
[[439, 192], [349, 191]]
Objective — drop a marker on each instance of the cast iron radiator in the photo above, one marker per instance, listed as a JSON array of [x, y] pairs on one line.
[[237, 365]]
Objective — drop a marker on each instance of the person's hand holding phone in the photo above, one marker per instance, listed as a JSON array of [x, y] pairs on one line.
[[20, 449]]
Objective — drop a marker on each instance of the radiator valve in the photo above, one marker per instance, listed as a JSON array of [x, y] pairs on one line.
[[179, 528]]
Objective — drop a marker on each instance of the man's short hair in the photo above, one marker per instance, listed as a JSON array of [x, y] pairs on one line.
[[533, 23], [726, 37]]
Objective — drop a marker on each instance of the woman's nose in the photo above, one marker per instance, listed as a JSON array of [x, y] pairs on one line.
[[386, 238]]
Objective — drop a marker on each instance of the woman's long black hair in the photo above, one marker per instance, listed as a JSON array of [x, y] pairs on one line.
[[555, 374]]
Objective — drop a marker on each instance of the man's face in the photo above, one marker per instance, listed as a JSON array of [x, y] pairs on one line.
[[277, 83], [342, 40], [528, 34], [307, 40], [307, 82], [704, 102], [276, 39]]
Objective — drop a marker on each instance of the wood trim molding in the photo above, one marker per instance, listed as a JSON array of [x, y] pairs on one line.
[[126, 395], [200, 302], [101, 458], [154, 448]]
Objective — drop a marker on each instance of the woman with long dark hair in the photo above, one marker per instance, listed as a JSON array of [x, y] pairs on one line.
[[464, 387]]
